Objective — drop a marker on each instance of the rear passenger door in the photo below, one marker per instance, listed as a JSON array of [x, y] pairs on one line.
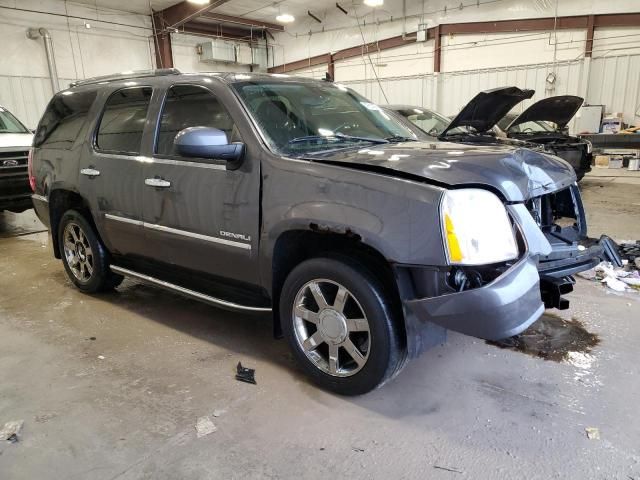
[[111, 172], [203, 217]]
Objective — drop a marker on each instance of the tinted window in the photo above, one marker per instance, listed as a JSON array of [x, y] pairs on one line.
[[63, 120], [123, 120], [191, 106]]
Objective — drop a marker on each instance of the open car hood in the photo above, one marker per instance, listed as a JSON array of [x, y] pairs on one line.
[[517, 173], [487, 108], [559, 110]]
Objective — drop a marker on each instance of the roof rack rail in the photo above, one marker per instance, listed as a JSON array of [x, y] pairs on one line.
[[125, 75]]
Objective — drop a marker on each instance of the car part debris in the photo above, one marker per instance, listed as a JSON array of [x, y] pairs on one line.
[[619, 279], [245, 374], [11, 431], [611, 250], [204, 426], [448, 469], [630, 251], [593, 433]]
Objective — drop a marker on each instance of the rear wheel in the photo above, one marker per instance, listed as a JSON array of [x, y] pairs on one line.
[[340, 326], [85, 258]]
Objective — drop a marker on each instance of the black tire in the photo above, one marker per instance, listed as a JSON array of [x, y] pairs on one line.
[[386, 354], [101, 277]]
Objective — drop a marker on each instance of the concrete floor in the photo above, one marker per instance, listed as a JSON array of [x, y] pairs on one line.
[[124, 405]]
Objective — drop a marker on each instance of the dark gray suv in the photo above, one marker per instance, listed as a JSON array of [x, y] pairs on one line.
[[272, 193]]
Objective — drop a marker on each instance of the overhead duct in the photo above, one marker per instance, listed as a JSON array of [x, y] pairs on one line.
[[36, 33]]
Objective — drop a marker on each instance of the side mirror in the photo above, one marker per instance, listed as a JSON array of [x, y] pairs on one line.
[[207, 142]]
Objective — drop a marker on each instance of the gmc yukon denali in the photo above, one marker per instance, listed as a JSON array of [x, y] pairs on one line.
[[270, 193]]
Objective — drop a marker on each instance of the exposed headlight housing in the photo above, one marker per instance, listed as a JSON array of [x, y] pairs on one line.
[[477, 230]]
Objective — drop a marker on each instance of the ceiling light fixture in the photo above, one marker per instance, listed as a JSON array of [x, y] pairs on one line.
[[373, 3], [199, 2], [285, 18]]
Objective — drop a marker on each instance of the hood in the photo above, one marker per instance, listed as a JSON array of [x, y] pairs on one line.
[[518, 174], [559, 110], [21, 140], [488, 107]]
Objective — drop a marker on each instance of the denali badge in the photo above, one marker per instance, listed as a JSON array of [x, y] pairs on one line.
[[238, 236], [10, 163]]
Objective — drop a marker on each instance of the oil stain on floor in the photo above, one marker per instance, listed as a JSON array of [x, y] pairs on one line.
[[551, 338]]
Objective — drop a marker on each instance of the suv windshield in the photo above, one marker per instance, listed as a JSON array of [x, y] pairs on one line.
[[304, 117], [533, 126], [10, 124]]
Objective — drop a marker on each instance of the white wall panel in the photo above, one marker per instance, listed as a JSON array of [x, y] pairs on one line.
[[615, 83], [79, 52], [463, 52], [27, 97]]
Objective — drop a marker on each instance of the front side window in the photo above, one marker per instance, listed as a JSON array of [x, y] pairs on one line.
[[63, 120], [303, 117], [191, 106], [123, 120]]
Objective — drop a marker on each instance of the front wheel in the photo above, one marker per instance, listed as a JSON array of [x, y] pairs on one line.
[[85, 258], [341, 325]]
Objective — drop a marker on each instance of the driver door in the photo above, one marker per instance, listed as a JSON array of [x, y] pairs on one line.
[[197, 214]]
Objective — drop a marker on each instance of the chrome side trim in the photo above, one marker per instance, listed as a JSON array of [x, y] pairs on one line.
[[109, 216], [186, 291], [42, 198], [223, 241], [183, 163], [175, 231]]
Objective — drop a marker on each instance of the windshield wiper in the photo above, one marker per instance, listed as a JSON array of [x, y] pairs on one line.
[[339, 136], [400, 138]]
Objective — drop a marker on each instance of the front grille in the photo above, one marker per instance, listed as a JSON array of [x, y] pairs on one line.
[[13, 163], [559, 212]]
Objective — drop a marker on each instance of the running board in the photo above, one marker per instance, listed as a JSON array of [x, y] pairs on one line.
[[187, 292]]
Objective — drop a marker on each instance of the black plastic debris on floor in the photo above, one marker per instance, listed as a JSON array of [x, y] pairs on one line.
[[246, 375]]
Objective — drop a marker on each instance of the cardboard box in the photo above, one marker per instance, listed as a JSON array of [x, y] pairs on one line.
[[615, 162], [602, 161]]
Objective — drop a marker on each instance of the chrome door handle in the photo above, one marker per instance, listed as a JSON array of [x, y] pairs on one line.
[[157, 182], [90, 172]]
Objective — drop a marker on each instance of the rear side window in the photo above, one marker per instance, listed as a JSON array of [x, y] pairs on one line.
[[63, 120], [191, 106], [123, 120]]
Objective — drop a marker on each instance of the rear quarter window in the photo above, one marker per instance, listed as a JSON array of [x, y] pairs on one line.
[[64, 119]]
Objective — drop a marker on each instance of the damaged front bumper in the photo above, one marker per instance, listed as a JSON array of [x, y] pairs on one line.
[[502, 308], [505, 298]]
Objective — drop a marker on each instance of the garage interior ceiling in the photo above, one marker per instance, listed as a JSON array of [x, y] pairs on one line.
[[250, 9]]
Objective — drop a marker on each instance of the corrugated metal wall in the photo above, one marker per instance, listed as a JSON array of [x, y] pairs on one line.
[[448, 92], [613, 82], [27, 97]]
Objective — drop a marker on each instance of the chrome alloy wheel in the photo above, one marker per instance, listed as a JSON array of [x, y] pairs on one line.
[[77, 251], [334, 336]]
